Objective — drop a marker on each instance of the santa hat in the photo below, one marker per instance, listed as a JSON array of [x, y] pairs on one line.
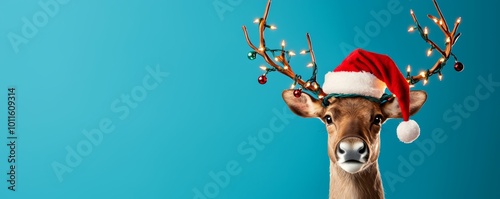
[[369, 74]]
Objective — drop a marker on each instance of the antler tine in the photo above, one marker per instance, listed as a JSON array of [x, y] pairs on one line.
[[442, 22], [450, 37], [286, 68]]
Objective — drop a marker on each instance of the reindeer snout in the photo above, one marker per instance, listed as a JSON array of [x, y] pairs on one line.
[[352, 150]]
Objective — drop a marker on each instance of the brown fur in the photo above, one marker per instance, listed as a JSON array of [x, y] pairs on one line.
[[366, 184], [353, 119]]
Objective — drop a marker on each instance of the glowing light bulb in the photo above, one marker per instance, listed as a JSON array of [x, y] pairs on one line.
[[426, 31], [411, 11], [308, 84], [408, 69], [263, 68], [283, 43], [256, 20], [285, 67], [422, 74], [440, 77], [459, 19], [429, 52], [441, 22], [411, 29], [441, 60], [310, 65], [303, 52], [315, 86], [292, 86], [447, 39], [272, 27], [425, 82], [291, 53]]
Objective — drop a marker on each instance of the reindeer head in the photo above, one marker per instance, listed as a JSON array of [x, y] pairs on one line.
[[353, 125], [354, 122]]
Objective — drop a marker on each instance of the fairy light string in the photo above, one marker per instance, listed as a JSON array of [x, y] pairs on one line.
[[284, 58], [279, 59], [451, 37]]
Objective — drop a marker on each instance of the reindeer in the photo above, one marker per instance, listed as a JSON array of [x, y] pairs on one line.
[[353, 122]]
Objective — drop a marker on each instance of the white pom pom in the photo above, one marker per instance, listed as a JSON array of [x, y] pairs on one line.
[[408, 131]]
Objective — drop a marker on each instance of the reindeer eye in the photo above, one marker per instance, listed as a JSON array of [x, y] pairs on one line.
[[328, 119], [377, 120]]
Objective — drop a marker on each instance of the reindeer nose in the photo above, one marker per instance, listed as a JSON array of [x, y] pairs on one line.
[[352, 149]]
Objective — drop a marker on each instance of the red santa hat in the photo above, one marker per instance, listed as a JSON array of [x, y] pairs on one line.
[[369, 74]]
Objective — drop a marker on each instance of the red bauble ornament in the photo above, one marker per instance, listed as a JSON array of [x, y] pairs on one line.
[[262, 79], [297, 93], [459, 67]]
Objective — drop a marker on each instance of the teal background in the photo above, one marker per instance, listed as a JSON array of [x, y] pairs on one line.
[[90, 53]]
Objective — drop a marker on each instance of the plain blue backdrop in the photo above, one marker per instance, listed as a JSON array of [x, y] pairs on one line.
[[73, 72]]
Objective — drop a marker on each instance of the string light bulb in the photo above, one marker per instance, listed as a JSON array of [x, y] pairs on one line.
[[429, 52], [256, 20], [411, 29], [263, 68], [426, 31], [459, 19], [309, 65], [422, 74], [291, 53], [303, 52], [433, 18], [283, 43], [408, 69], [272, 27], [440, 76]]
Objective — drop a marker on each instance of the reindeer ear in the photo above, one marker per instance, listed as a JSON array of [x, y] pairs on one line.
[[417, 100], [304, 106]]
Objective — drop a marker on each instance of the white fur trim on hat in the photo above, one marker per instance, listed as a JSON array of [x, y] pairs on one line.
[[361, 83], [408, 131]]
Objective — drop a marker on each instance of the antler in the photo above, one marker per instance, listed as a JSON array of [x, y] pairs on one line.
[[451, 39], [283, 58]]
